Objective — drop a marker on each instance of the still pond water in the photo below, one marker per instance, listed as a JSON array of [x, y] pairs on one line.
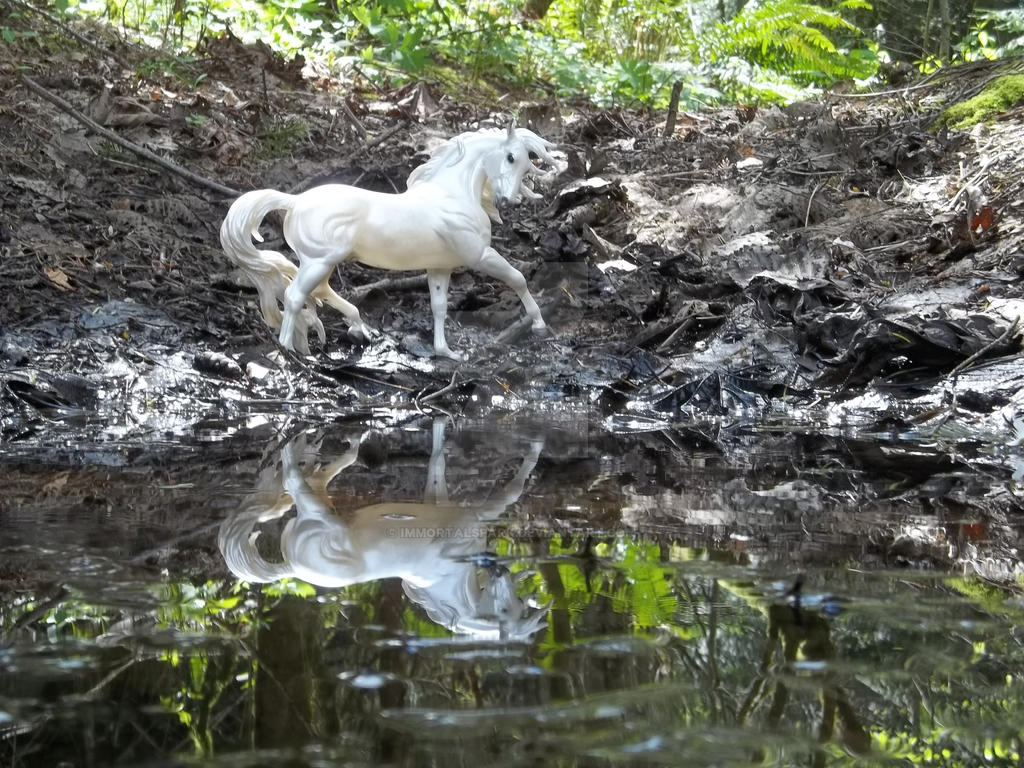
[[506, 591]]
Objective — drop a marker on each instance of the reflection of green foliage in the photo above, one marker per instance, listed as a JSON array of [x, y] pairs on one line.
[[648, 592], [947, 690], [989, 597], [638, 583], [295, 587]]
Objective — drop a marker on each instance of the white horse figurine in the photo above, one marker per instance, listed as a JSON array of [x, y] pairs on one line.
[[430, 545], [440, 223]]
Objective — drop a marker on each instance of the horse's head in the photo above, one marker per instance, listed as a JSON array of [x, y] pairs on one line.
[[512, 160], [480, 601]]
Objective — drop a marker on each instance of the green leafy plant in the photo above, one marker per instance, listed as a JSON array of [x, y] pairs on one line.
[[993, 35], [612, 52], [771, 50]]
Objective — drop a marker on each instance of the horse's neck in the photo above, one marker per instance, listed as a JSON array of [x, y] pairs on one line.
[[468, 175]]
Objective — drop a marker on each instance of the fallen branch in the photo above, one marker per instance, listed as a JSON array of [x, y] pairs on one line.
[[106, 133], [451, 387], [389, 284]]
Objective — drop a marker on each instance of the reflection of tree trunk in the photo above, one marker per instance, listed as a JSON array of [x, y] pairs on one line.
[[712, 654], [561, 627], [390, 607], [827, 727], [561, 622], [289, 660], [535, 9]]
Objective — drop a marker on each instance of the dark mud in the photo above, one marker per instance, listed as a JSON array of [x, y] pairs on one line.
[[830, 268], [827, 251]]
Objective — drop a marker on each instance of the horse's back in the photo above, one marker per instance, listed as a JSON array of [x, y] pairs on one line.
[[424, 228]]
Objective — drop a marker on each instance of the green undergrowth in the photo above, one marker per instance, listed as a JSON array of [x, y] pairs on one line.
[[279, 138], [997, 97], [626, 53]]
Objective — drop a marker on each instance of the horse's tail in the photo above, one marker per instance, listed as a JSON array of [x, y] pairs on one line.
[[237, 542], [270, 271]]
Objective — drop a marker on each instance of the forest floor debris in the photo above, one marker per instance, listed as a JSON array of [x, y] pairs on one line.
[[842, 254]]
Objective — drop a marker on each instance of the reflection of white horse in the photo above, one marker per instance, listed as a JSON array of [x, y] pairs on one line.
[[430, 546], [440, 223]]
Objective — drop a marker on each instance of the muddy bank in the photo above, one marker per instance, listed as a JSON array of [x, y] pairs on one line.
[[785, 501], [841, 262]]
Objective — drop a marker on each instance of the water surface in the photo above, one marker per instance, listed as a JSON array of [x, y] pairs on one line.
[[508, 591]]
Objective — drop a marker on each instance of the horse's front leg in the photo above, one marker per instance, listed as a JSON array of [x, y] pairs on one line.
[[493, 264], [438, 279]]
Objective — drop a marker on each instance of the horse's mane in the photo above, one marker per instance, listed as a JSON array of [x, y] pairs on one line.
[[448, 154], [453, 150]]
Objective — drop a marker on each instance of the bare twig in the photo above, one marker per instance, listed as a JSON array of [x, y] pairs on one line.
[[450, 387], [106, 133], [673, 108], [810, 202], [511, 333], [353, 120], [1010, 330]]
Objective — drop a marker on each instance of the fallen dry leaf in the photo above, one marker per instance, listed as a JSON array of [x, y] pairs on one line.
[[58, 277], [56, 484]]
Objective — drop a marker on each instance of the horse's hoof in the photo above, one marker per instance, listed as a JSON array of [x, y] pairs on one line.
[[361, 334], [540, 330], [451, 354], [299, 347]]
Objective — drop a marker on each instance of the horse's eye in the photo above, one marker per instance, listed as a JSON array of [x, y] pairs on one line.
[[511, 158], [534, 156]]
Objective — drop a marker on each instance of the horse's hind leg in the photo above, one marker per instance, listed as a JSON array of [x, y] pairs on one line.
[[493, 264], [294, 329], [327, 295]]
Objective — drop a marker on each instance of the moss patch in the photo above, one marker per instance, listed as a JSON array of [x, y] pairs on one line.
[[996, 97]]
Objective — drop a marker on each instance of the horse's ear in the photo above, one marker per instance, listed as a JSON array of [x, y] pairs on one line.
[[511, 129]]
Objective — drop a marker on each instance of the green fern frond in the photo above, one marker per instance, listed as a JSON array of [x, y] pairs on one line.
[[789, 35]]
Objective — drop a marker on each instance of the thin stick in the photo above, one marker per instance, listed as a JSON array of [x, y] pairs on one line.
[[443, 391], [673, 108], [92, 125], [810, 202], [1003, 337]]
